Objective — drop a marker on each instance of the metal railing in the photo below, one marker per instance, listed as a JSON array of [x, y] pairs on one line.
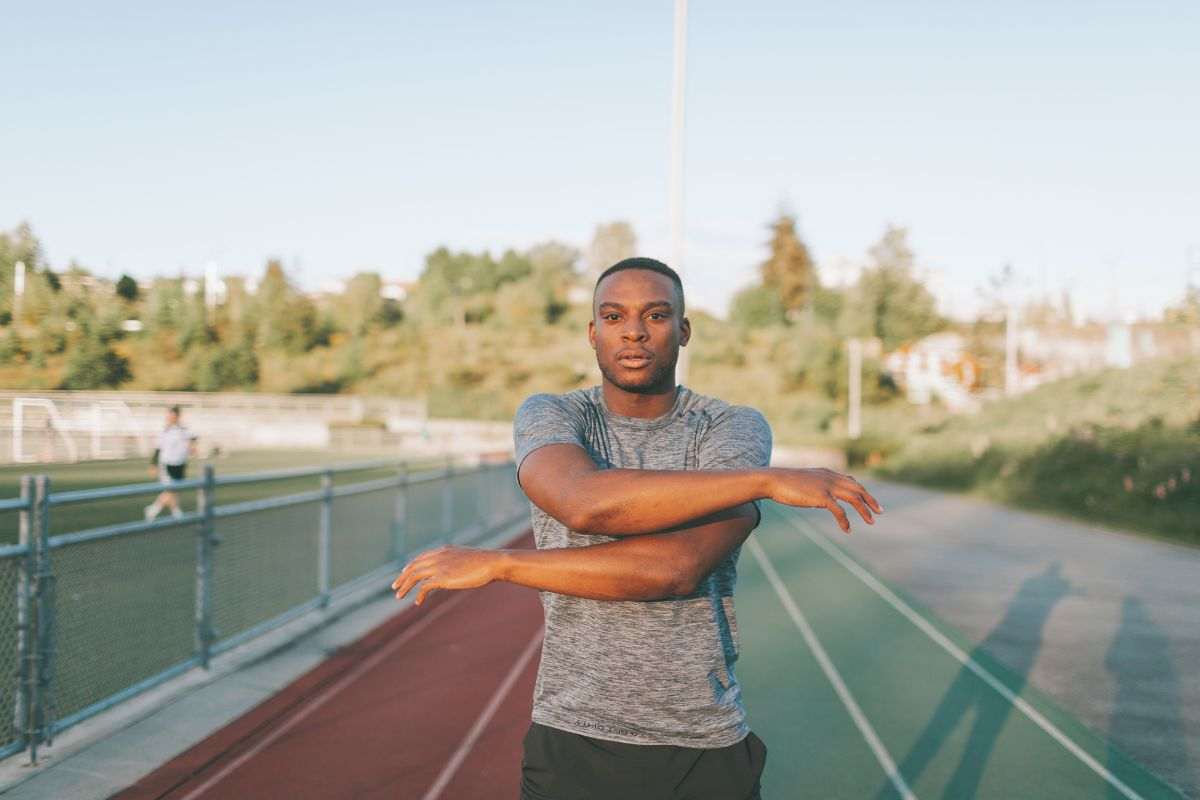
[[92, 617]]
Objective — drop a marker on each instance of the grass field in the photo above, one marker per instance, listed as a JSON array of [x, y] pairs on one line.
[[98, 474]]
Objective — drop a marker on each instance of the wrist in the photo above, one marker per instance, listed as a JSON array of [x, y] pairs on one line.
[[766, 483], [500, 565]]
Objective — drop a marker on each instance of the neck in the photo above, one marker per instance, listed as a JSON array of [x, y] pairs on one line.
[[635, 404]]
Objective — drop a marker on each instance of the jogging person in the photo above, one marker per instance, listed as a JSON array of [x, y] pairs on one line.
[[642, 493], [175, 444]]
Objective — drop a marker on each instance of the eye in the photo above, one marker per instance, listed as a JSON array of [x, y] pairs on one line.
[[613, 314], [658, 314]]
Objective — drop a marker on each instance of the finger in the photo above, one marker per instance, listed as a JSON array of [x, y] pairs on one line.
[[839, 514], [426, 587], [420, 562], [855, 499], [414, 577], [858, 487], [404, 573]]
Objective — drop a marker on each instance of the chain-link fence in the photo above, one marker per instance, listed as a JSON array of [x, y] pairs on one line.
[[91, 618]]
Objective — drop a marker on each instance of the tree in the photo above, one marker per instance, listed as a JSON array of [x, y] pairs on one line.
[[127, 288], [554, 270], [93, 364], [756, 306], [612, 242], [789, 270], [889, 301], [287, 320]]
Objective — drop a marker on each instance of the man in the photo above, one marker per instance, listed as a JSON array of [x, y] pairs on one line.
[[642, 492], [175, 444]]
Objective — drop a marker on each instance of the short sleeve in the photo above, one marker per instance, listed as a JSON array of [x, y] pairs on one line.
[[544, 419], [738, 439]]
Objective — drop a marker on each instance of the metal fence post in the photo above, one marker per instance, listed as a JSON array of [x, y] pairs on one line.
[[26, 652], [324, 544], [448, 499], [43, 601], [400, 515], [205, 540]]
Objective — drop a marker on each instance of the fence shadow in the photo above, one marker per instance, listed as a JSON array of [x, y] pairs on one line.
[[1024, 620]]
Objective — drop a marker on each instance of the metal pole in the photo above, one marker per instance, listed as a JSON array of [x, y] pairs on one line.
[[43, 582], [676, 191], [205, 540], [26, 652], [324, 536], [400, 516], [854, 424], [448, 499]]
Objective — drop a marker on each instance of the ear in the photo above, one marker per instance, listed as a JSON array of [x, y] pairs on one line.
[[592, 333], [685, 331]]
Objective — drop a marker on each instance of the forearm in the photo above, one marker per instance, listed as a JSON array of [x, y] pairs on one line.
[[624, 502], [640, 568]]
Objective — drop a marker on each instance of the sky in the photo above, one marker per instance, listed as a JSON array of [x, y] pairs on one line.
[[1059, 137]]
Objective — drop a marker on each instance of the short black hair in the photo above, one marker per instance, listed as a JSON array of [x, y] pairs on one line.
[[174, 410], [640, 262]]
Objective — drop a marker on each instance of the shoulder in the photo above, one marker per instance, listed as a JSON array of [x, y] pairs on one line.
[[721, 412], [572, 404]]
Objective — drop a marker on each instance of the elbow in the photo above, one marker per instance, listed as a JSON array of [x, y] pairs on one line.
[[682, 578]]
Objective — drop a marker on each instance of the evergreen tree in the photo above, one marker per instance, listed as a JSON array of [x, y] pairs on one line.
[[789, 270]]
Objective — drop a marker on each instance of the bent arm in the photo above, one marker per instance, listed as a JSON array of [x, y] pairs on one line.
[[664, 564], [563, 481]]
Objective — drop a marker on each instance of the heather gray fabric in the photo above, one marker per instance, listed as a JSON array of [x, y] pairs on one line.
[[657, 672]]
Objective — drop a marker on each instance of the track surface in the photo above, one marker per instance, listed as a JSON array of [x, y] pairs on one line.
[[858, 691]]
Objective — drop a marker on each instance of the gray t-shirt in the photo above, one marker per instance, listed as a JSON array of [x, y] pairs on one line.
[[642, 672]]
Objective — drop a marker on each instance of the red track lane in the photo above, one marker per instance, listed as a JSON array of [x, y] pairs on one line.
[[383, 717]]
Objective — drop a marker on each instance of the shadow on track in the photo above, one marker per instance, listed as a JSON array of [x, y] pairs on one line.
[[1023, 621]]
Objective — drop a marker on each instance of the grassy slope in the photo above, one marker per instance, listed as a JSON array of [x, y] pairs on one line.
[[1118, 447]]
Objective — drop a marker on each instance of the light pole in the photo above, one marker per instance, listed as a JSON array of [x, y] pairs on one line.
[[854, 421], [18, 291], [676, 190]]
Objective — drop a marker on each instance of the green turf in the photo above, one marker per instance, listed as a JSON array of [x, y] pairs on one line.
[[97, 474], [950, 733]]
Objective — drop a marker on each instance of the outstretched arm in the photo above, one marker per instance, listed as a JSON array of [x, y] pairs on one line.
[[656, 566], [558, 475], [562, 480]]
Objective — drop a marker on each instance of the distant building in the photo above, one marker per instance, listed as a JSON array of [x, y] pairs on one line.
[[936, 366]]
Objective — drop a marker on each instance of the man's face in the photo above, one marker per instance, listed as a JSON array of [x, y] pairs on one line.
[[637, 330], [172, 418]]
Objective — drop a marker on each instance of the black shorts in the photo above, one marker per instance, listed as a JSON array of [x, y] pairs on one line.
[[175, 471], [558, 765]]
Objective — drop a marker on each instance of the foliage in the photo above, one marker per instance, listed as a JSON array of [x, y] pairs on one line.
[[127, 288], [789, 269], [94, 364], [889, 301], [756, 306], [611, 242]]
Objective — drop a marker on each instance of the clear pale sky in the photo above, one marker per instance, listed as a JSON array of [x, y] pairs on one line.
[[1060, 136]]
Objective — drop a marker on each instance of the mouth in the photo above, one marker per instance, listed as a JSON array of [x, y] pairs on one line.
[[634, 360]]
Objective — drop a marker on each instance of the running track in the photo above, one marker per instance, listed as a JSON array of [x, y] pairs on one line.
[[857, 691]]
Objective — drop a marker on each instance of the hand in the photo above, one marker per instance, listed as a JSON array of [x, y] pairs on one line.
[[822, 488], [447, 567], [152, 472]]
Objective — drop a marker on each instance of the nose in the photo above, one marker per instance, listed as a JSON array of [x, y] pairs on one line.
[[635, 331]]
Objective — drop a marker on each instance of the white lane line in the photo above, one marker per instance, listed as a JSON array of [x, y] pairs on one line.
[[485, 717], [324, 697], [966, 660], [814, 644]]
